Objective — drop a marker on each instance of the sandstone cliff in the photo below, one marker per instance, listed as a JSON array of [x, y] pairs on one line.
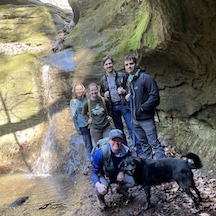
[[174, 40]]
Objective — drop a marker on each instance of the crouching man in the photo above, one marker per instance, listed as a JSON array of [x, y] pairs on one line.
[[105, 168]]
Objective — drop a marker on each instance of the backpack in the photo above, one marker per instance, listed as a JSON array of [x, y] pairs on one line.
[[100, 143], [106, 151]]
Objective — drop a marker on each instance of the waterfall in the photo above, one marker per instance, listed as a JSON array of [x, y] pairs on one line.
[[48, 152], [57, 74]]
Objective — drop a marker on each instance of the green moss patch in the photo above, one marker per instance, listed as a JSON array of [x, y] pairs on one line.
[[16, 84], [133, 34], [24, 25]]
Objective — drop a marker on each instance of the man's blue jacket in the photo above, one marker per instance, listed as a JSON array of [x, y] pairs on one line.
[[105, 162]]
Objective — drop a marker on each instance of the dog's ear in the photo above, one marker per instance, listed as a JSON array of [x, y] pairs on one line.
[[137, 160]]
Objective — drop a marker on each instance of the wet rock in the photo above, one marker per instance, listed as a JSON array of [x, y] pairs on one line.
[[19, 201]]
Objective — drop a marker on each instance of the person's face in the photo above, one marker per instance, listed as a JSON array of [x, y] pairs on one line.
[[130, 66], [115, 145], [108, 66], [79, 91], [93, 91]]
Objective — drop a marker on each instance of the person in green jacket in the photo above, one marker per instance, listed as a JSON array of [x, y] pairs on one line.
[[96, 111]]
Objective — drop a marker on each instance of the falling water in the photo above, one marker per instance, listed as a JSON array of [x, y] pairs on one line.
[[54, 66], [45, 162]]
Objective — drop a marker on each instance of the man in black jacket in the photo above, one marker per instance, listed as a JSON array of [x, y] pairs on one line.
[[113, 85], [144, 96]]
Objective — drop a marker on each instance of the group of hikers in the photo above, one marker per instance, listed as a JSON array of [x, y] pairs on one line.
[[133, 96]]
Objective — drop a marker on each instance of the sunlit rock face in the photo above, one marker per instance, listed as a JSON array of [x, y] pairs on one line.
[[33, 91], [184, 67], [175, 42]]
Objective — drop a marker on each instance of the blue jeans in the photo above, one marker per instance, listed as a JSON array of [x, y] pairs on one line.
[[135, 141], [146, 133], [87, 140], [118, 110]]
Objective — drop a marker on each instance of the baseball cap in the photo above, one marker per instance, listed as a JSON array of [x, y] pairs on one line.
[[116, 133]]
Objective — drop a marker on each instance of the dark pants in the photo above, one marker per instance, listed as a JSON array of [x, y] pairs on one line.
[[97, 134], [147, 135]]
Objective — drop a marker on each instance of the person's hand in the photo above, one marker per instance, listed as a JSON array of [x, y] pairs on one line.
[[120, 176], [90, 120], [109, 118], [102, 189], [106, 94], [127, 97], [120, 90]]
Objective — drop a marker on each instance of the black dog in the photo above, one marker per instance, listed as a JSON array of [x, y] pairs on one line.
[[152, 172]]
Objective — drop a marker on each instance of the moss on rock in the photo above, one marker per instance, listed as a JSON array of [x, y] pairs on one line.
[[27, 33]]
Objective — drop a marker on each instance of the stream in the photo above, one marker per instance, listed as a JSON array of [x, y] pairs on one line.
[[47, 195], [49, 192]]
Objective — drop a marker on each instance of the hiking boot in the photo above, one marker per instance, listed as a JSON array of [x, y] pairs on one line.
[[101, 203]]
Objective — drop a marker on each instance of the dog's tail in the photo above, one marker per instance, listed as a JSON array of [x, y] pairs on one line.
[[197, 164]]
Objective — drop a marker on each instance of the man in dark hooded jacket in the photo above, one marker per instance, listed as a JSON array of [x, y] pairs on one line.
[[144, 96]]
